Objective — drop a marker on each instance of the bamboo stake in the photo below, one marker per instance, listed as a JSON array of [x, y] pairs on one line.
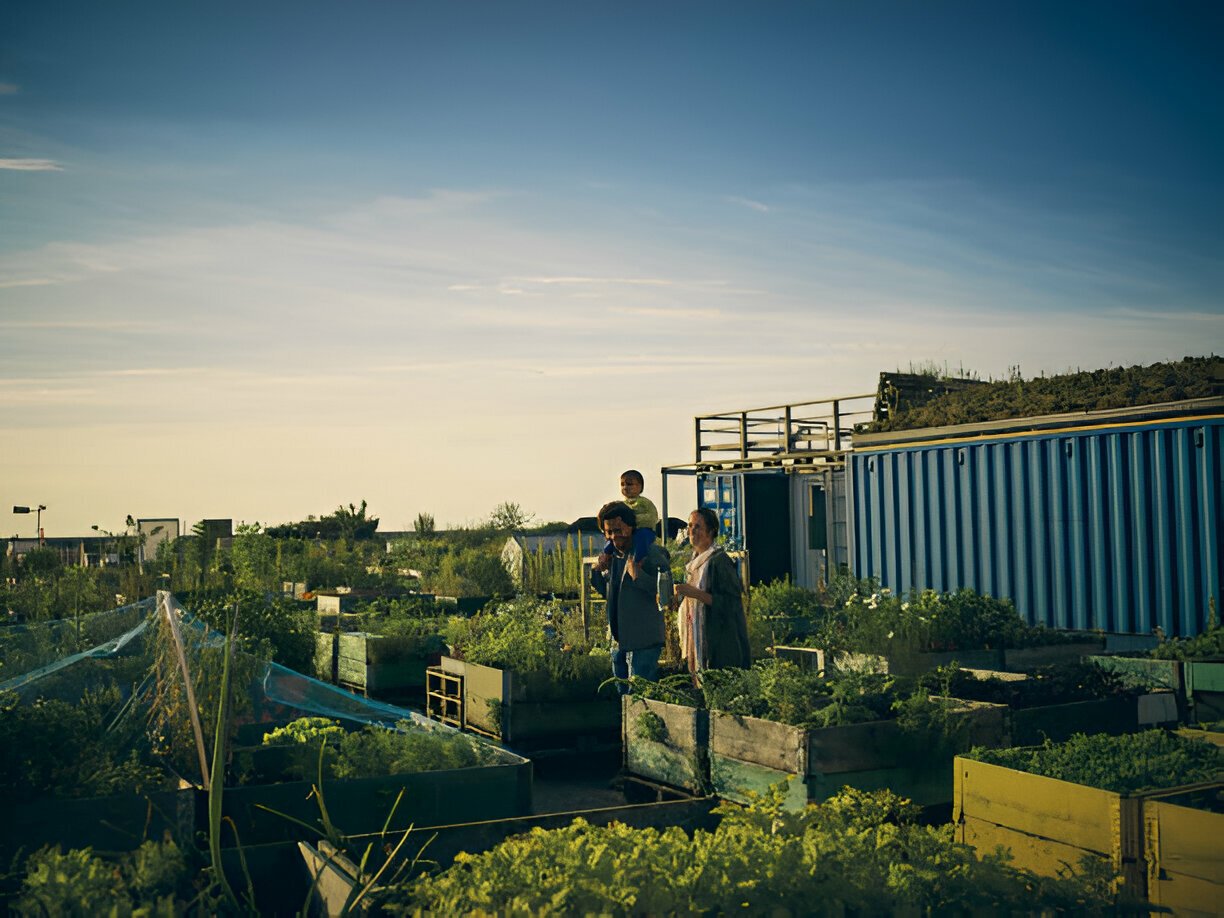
[[192, 709]]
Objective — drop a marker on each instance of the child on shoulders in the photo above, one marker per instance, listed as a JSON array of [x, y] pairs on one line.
[[631, 485]]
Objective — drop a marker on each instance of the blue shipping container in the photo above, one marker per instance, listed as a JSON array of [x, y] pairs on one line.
[[1109, 524]]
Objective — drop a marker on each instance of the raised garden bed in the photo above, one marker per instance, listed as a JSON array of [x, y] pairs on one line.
[[376, 663], [274, 777], [1050, 822], [116, 822], [1055, 702], [666, 743], [748, 754], [1182, 835], [517, 708]]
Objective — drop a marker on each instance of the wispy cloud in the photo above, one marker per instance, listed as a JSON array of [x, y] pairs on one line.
[[78, 324], [31, 165], [28, 282], [8, 89], [663, 313], [750, 204], [605, 281]]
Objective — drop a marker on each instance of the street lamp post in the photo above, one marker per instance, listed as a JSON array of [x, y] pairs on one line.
[[37, 511]]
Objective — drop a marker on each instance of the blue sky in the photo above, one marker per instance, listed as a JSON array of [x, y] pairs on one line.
[[260, 259]]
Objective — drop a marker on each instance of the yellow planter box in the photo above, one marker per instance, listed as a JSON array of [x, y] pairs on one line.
[[1048, 824], [1183, 837], [1166, 845]]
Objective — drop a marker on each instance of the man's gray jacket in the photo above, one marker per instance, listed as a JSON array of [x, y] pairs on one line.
[[633, 610]]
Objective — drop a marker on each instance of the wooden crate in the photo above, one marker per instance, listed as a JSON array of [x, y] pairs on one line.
[[680, 757], [444, 696], [1183, 836], [748, 754]]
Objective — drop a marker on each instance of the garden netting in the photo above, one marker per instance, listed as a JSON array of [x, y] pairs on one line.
[[133, 646]]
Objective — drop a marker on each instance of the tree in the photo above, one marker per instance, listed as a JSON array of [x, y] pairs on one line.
[[424, 524], [509, 516]]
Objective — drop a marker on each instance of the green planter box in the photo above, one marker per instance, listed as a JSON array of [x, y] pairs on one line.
[[1143, 672], [1057, 722], [325, 656], [362, 805], [678, 754], [748, 754], [114, 823], [1205, 688], [378, 663], [514, 708], [1023, 659]]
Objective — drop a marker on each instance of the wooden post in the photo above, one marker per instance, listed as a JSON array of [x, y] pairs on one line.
[[192, 708]]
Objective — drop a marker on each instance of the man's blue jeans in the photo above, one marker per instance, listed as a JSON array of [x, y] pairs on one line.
[[643, 662]]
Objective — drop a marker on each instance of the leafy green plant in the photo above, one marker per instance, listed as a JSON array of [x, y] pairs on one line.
[[926, 621], [51, 747], [1205, 646], [650, 726], [373, 751], [1059, 683], [78, 882], [542, 642], [1126, 764], [860, 853]]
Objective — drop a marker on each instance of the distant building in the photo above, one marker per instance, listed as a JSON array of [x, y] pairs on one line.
[[151, 533]]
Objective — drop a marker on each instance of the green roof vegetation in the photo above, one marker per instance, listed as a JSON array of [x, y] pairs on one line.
[[912, 401]]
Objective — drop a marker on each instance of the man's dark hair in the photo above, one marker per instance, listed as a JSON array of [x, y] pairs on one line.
[[635, 475], [618, 510]]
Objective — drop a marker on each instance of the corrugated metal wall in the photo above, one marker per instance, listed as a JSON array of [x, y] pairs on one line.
[[1116, 529]]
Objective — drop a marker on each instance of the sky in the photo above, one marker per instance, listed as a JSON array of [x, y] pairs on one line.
[[258, 260]]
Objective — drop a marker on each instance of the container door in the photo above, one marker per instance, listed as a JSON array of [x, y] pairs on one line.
[[767, 526]]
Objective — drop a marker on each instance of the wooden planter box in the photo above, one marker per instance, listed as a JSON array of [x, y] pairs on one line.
[[1057, 722], [505, 705], [1183, 835], [1205, 688], [377, 663], [325, 656], [362, 805], [1023, 659], [119, 822], [748, 754], [1050, 825], [1144, 671], [680, 757]]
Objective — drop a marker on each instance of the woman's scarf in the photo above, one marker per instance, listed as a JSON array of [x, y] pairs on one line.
[[691, 617]]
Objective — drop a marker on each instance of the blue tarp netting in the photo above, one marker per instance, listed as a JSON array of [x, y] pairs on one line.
[[38, 659]]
